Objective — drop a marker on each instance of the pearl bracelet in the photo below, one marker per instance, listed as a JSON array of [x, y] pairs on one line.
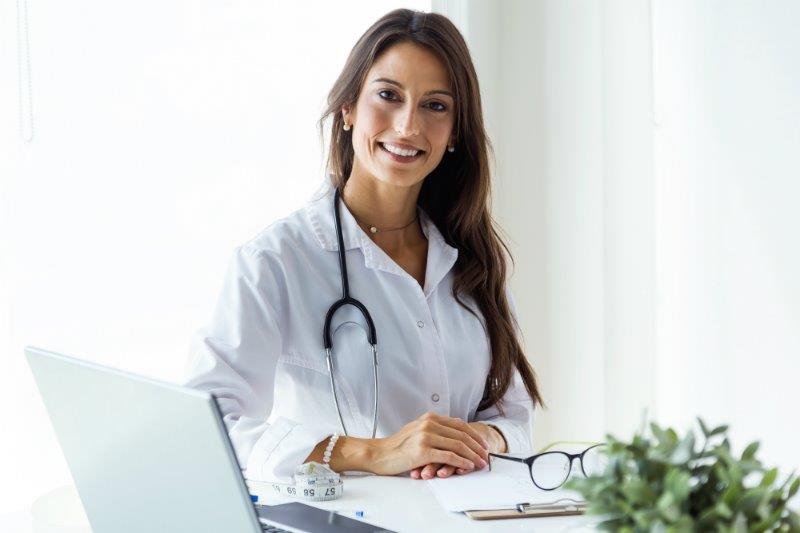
[[326, 457]]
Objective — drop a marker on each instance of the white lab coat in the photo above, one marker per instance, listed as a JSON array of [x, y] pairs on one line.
[[262, 354]]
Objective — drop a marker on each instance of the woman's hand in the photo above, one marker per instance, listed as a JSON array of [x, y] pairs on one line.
[[430, 439], [497, 444]]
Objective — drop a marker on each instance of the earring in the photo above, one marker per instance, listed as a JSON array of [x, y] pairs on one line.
[[346, 127], [451, 149]]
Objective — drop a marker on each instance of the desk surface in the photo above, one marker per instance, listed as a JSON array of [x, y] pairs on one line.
[[413, 507]]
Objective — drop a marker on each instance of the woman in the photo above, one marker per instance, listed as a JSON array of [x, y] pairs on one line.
[[408, 156]]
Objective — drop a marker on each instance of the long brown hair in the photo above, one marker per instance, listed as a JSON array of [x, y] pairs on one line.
[[456, 194]]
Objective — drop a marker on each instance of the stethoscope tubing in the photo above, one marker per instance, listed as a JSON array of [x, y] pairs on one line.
[[327, 341]]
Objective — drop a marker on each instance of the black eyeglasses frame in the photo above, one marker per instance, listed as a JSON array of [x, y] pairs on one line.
[[530, 460]]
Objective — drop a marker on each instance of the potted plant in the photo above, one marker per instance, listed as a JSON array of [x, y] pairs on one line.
[[663, 482]]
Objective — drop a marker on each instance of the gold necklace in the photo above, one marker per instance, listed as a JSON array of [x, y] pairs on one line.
[[374, 229]]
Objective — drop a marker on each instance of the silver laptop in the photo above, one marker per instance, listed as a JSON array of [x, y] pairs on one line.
[[152, 456]]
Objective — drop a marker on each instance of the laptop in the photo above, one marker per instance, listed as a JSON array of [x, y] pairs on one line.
[[152, 456]]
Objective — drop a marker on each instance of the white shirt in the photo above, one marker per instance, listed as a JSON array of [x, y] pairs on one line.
[[262, 354]]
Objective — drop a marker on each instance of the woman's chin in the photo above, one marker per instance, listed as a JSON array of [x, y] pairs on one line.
[[399, 179]]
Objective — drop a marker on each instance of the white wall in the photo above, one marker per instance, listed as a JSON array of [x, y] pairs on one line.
[[646, 174], [164, 134], [727, 169], [566, 191]]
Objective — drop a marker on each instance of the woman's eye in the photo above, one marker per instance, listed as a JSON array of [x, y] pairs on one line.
[[435, 106]]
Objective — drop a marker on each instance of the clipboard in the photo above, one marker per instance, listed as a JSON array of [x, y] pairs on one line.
[[526, 510]]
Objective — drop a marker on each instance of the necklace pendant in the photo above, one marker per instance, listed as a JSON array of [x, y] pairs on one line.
[[373, 229]]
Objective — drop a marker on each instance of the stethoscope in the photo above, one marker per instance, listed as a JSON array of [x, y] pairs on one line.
[[347, 300]]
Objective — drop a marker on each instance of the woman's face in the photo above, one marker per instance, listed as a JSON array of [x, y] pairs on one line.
[[405, 102]]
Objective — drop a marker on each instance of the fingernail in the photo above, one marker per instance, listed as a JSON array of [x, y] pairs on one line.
[[471, 464], [483, 463]]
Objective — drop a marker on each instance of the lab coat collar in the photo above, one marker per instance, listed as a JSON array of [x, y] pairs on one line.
[[320, 213], [441, 256]]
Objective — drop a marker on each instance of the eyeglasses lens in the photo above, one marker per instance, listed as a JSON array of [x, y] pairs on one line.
[[550, 470], [595, 461]]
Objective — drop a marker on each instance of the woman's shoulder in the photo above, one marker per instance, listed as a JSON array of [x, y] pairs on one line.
[[300, 230], [290, 233]]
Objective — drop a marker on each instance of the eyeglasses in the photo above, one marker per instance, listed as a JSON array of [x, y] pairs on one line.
[[551, 468]]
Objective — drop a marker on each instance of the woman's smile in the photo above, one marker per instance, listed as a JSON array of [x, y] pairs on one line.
[[399, 154]]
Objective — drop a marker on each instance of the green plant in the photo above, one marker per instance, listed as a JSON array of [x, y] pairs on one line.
[[664, 482]]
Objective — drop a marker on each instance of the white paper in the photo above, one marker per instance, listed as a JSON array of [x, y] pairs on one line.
[[498, 489]]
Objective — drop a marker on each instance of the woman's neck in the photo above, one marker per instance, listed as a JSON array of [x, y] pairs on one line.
[[385, 207]]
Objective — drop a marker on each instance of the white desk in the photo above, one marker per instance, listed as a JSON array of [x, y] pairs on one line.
[[413, 508]]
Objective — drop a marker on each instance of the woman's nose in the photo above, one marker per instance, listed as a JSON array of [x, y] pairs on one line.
[[406, 122]]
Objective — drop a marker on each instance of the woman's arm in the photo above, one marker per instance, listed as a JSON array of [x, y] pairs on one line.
[[493, 435], [429, 438], [514, 423], [236, 356]]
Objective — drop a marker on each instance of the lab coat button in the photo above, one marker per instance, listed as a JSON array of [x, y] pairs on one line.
[[421, 324], [435, 397]]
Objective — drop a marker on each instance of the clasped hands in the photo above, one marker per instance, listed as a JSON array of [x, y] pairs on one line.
[[436, 445]]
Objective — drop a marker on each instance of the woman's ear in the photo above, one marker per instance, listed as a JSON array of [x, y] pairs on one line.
[[347, 116]]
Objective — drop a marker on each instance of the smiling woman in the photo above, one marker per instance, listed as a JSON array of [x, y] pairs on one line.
[[408, 158], [424, 57]]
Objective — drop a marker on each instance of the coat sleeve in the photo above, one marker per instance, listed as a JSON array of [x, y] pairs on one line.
[[235, 357], [516, 422]]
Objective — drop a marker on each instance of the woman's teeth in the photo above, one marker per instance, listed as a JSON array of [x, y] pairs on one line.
[[399, 151]]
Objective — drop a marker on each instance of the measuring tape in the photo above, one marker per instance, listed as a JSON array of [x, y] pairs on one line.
[[312, 482]]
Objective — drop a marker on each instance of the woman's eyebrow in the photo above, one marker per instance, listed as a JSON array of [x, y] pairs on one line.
[[437, 91]]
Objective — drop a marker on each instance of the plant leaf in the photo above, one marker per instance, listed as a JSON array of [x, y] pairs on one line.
[[684, 451], [718, 430], [677, 482], [750, 451], [769, 477], [752, 500], [723, 510], [703, 426], [794, 487]]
